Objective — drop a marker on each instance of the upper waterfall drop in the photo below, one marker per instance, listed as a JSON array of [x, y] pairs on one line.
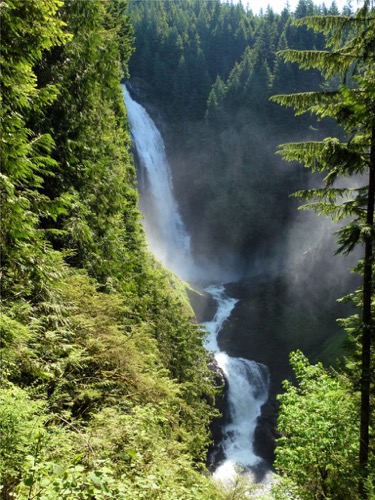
[[165, 230]]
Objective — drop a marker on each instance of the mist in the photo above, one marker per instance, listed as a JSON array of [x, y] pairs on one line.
[[234, 196], [231, 194]]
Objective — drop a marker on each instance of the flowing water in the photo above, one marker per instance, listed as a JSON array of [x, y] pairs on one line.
[[247, 392], [165, 230], [168, 239]]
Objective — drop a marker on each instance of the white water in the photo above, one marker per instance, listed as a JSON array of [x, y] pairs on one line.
[[165, 231], [170, 242], [247, 392]]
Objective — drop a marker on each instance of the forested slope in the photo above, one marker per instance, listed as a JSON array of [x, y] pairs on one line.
[[233, 190], [105, 390], [105, 387]]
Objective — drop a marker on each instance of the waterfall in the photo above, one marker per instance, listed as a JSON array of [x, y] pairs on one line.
[[247, 392], [170, 242], [165, 231]]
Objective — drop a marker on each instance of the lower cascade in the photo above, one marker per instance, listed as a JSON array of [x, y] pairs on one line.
[[247, 380], [247, 392]]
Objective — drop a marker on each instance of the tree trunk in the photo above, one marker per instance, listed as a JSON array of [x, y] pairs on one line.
[[367, 328]]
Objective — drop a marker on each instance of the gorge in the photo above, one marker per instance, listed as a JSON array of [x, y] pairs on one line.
[[259, 319], [247, 381], [119, 327]]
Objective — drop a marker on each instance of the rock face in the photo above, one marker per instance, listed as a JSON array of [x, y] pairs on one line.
[[215, 452], [203, 304], [264, 440], [265, 433]]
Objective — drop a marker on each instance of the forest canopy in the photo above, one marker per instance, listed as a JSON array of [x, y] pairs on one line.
[[210, 68]]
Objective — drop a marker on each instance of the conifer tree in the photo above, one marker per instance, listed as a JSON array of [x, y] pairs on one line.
[[100, 227], [119, 370], [350, 53], [215, 102], [27, 30]]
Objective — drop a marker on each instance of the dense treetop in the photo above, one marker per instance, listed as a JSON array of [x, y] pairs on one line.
[[183, 47], [210, 68]]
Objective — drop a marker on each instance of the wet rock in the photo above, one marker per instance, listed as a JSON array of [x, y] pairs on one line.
[[215, 453], [265, 432], [203, 304]]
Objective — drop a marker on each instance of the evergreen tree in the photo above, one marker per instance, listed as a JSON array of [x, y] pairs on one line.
[[100, 227], [215, 103], [351, 43], [27, 30], [105, 390]]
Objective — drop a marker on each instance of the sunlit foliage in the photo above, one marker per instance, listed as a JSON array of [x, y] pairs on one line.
[[105, 387], [350, 55]]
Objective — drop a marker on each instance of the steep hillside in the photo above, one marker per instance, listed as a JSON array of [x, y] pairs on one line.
[[105, 387]]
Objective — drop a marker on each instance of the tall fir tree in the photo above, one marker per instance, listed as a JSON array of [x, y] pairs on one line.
[[350, 53], [28, 29]]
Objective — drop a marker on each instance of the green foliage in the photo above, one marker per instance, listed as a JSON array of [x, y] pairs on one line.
[[21, 431], [221, 129], [27, 29], [196, 42], [13, 347], [101, 224], [105, 389], [347, 52], [106, 377], [50, 481], [318, 423]]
